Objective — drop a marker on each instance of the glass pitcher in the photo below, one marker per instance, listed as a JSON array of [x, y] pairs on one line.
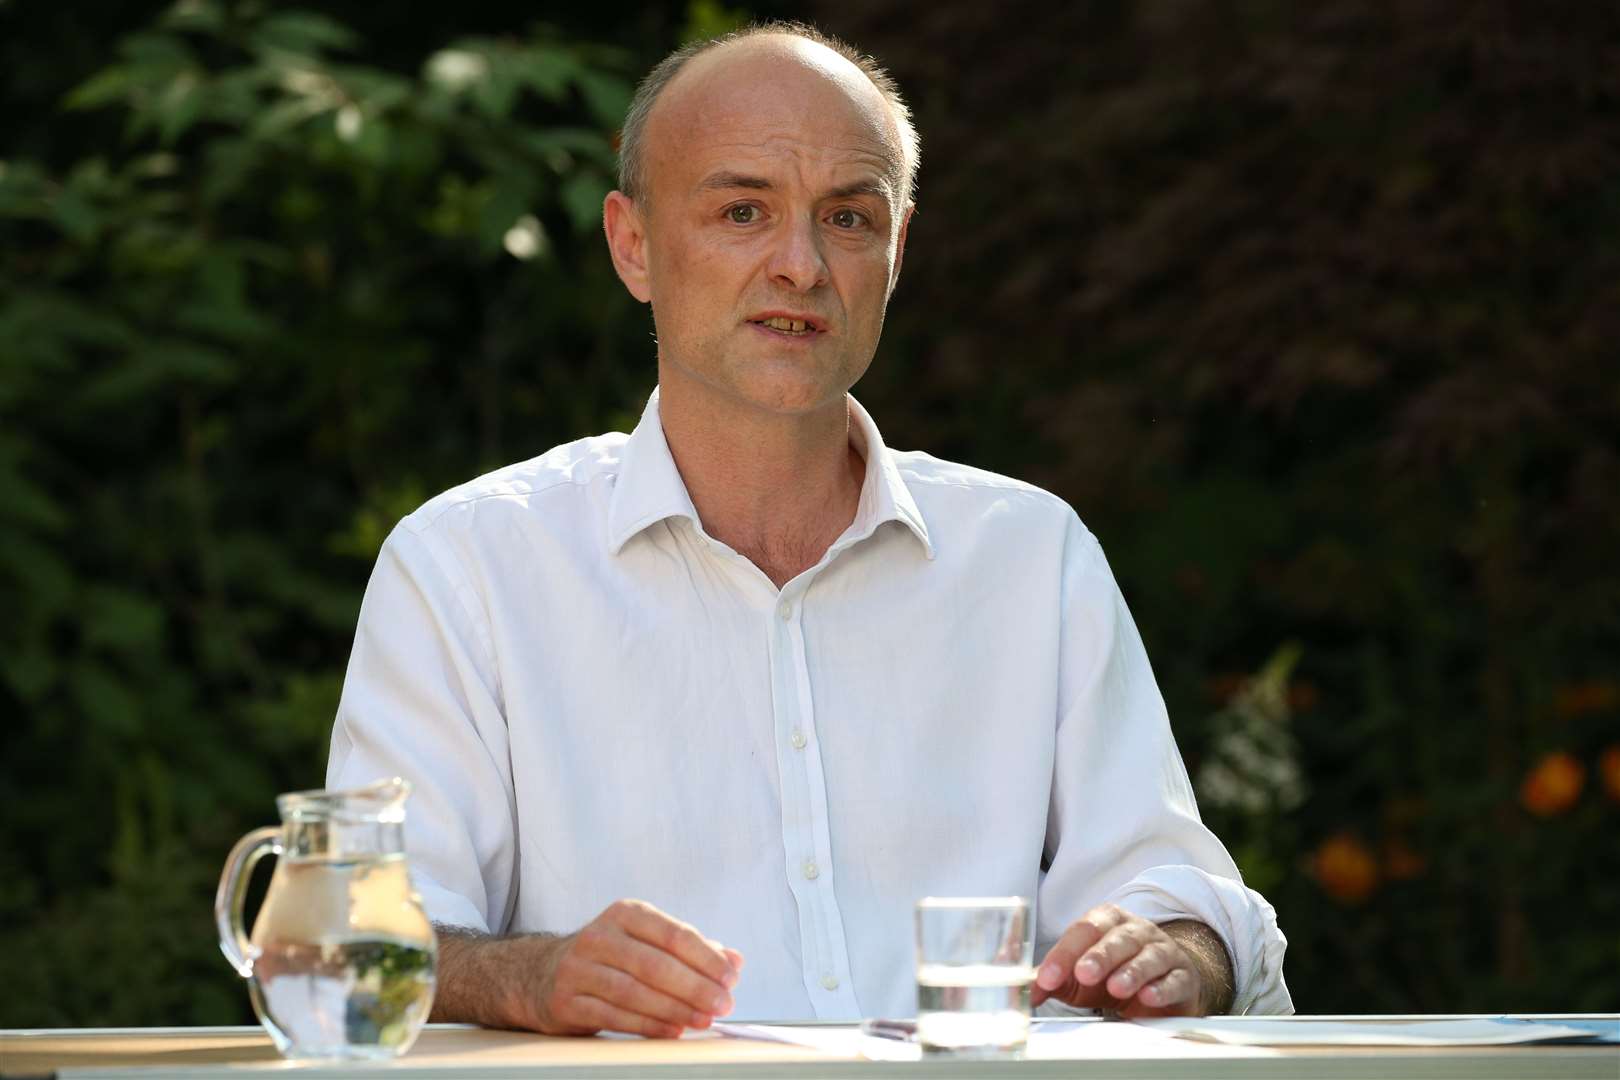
[[341, 960]]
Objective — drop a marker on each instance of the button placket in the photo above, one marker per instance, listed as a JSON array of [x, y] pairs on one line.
[[825, 949]]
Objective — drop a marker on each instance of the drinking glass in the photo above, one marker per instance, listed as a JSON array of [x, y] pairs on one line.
[[974, 972]]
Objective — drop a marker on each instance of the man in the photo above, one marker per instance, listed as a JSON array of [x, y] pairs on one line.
[[746, 683]]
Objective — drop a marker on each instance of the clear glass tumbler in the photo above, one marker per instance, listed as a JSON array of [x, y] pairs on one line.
[[974, 973]]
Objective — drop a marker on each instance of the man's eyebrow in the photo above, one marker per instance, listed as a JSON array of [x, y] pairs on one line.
[[722, 181], [880, 188]]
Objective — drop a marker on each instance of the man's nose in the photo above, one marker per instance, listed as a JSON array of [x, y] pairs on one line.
[[796, 259]]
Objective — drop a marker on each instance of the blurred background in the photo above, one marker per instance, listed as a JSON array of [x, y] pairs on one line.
[[1310, 310]]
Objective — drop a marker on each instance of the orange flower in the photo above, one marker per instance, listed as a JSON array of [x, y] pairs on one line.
[[1579, 699], [1401, 862], [1609, 769], [1553, 786], [1345, 869]]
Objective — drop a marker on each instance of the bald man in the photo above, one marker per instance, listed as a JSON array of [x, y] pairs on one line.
[[746, 683]]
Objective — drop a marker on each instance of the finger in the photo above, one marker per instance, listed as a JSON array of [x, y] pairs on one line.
[[1072, 993], [736, 959], [1174, 992], [1058, 967], [605, 1016], [1153, 960], [663, 972], [646, 923], [1121, 943], [624, 991]]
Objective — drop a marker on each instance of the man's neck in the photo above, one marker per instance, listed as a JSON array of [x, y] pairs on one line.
[[778, 489]]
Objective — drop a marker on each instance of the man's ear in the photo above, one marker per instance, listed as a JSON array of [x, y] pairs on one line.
[[627, 243], [900, 247]]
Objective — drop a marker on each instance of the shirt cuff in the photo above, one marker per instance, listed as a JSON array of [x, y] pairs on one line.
[[1241, 917], [446, 908]]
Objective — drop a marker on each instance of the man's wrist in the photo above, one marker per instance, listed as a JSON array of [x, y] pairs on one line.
[[1207, 952], [495, 982]]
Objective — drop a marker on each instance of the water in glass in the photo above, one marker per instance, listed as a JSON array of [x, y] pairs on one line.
[[973, 976]]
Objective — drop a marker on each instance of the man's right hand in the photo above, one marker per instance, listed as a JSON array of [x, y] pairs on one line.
[[632, 969]]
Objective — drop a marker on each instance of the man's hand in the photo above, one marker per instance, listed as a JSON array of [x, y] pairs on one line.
[[1113, 960], [632, 969]]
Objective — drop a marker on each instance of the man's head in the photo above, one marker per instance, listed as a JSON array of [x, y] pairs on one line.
[[632, 137], [767, 184]]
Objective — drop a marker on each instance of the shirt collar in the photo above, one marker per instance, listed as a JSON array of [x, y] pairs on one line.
[[649, 487]]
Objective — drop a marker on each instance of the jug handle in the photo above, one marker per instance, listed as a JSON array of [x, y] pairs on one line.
[[232, 895]]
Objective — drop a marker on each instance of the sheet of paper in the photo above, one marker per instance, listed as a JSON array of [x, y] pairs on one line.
[[1286, 1031], [838, 1039], [1116, 1040], [1057, 1040]]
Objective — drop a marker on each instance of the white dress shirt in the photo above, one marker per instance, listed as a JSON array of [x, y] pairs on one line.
[[594, 699]]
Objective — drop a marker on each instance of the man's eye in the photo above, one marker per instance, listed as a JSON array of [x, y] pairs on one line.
[[743, 215], [847, 219]]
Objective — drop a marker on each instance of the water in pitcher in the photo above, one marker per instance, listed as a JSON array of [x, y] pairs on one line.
[[973, 1008], [332, 994]]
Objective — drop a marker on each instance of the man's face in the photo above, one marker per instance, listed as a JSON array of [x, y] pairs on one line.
[[773, 228]]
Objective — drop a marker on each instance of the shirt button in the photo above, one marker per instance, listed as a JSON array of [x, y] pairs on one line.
[[785, 610], [798, 740], [829, 982], [811, 870]]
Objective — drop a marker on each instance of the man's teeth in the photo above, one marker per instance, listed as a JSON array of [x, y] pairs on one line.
[[779, 323]]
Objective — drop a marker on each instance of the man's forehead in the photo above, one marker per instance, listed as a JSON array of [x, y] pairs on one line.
[[854, 168], [775, 94]]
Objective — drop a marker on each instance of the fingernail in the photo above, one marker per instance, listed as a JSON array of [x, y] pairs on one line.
[[699, 1020], [1088, 968], [721, 1004], [1126, 985], [1049, 976], [729, 978]]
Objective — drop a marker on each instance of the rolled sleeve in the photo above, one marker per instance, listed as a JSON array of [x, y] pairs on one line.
[[421, 700], [1123, 824]]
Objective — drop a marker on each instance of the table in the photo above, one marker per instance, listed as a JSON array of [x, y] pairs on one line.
[[453, 1050]]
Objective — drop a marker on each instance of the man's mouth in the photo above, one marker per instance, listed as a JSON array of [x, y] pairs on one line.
[[785, 325]]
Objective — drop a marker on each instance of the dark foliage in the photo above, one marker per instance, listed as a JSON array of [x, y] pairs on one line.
[[1309, 309]]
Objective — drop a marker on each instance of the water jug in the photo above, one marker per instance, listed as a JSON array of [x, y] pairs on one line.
[[340, 964]]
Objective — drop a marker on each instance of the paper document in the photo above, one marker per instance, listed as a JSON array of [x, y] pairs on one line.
[[1286, 1031], [1067, 1039]]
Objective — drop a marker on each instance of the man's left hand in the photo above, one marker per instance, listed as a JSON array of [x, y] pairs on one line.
[[1110, 959]]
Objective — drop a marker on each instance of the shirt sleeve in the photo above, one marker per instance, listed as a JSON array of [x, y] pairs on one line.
[[1123, 824], [422, 700]]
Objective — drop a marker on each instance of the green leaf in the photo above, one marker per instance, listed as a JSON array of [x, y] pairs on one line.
[[582, 197], [607, 95], [29, 669], [107, 705], [707, 19], [498, 214], [121, 620], [179, 106], [103, 88], [76, 216], [153, 367], [303, 32], [156, 55], [546, 69], [196, 15], [495, 93], [287, 115]]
